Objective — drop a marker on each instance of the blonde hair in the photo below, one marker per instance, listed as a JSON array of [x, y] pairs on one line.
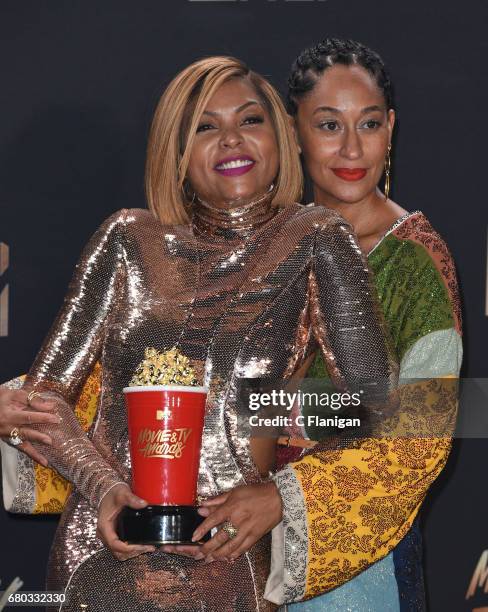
[[177, 116]]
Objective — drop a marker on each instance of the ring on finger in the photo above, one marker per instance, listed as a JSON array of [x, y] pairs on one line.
[[31, 396], [229, 529], [14, 437]]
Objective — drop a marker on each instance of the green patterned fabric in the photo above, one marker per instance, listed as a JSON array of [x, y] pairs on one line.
[[411, 292]]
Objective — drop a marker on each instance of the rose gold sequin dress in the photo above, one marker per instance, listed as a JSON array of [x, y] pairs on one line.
[[244, 293]]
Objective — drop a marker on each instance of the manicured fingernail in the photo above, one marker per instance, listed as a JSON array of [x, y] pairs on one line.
[[196, 536], [199, 556], [209, 559]]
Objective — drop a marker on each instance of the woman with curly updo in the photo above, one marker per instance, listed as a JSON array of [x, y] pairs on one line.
[[363, 533]]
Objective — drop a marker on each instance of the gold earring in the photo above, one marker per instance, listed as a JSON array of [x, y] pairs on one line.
[[387, 172]]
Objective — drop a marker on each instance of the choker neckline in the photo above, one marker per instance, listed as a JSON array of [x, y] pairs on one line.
[[233, 223]]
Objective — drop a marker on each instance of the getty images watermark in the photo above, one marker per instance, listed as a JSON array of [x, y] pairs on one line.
[[296, 404]]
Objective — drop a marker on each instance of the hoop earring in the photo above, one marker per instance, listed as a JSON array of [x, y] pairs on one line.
[[387, 172]]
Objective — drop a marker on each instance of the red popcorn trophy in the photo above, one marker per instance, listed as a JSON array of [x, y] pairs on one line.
[[165, 411]]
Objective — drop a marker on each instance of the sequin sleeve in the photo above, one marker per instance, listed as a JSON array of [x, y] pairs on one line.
[[346, 318], [69, 354]]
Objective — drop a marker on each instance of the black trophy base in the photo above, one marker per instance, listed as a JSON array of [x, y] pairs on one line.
[[159, 525]]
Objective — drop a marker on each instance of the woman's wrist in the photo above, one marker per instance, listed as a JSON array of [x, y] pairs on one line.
[[109, 488]]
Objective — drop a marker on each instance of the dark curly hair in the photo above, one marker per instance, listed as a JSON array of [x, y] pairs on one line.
[[313, 61]]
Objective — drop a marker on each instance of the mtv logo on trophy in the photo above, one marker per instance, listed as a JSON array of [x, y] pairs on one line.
[[165, 411]]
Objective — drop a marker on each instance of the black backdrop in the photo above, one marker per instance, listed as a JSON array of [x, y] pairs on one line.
[[78, 84]]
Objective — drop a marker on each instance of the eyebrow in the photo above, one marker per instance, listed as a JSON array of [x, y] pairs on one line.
[[336, 111], [239, 109]]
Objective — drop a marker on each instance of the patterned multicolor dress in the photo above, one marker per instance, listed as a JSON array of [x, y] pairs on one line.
[[364, 492]]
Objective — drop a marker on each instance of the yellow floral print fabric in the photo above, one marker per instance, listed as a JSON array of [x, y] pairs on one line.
[[361, 500], [52, 490]]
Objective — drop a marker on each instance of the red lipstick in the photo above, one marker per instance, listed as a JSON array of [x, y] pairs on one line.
[[235, 166], [350, 174]]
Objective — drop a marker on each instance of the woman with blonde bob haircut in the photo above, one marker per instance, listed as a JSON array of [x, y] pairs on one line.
[[243, 281], [173, 132]]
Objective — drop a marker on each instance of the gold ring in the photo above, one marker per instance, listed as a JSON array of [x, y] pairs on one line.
[[14, 437], [31, 396], [229, 529]]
